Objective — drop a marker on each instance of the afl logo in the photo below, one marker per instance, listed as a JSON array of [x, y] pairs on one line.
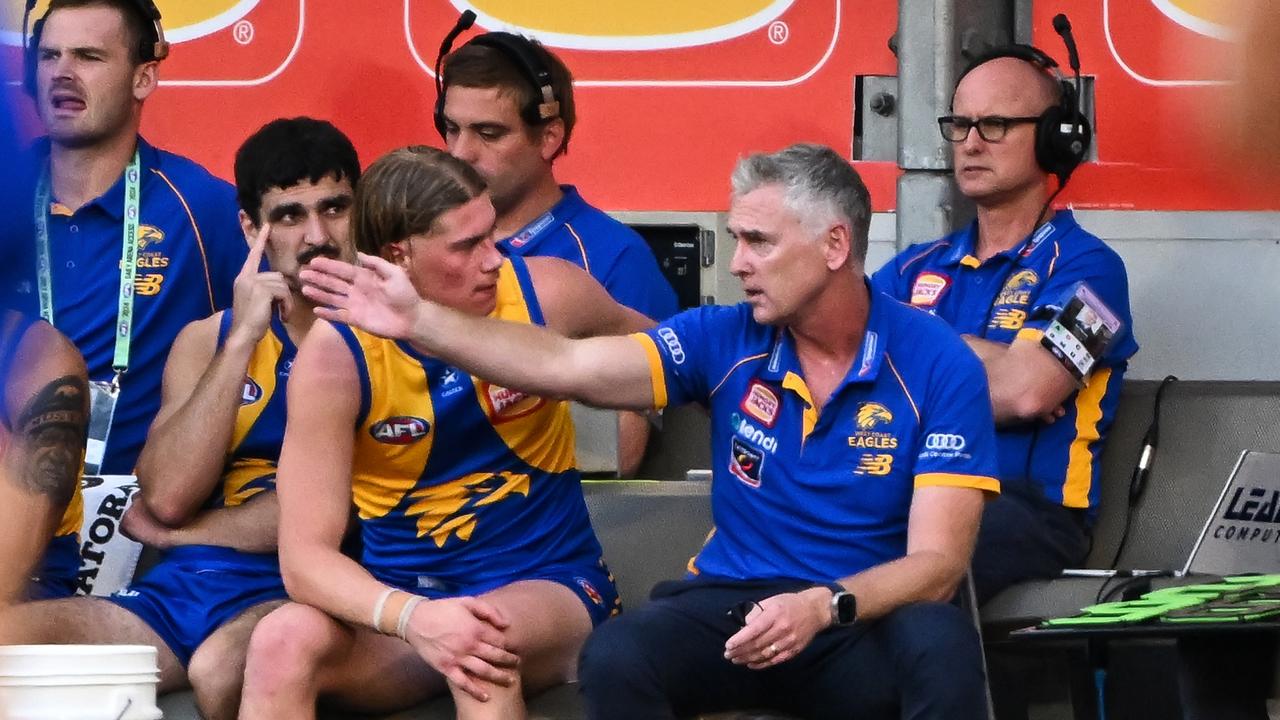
[[400, 430], [944, 441], [251, 393]]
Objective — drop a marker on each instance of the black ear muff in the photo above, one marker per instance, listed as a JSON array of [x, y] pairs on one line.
[[1063, 137]]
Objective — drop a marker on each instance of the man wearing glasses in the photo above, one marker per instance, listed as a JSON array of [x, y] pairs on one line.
[[1002, 282]]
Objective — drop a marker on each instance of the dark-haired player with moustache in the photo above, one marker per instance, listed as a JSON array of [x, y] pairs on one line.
[[127, 243], [207, 472], [841, 527], [494, 117], [44, 398], [999, 283], [480, 574]]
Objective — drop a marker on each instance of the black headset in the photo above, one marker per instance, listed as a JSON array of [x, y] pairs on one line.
[[153, 46], [1063, 134], [522, 53]]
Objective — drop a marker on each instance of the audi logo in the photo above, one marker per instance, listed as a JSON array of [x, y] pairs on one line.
[[944, 441]]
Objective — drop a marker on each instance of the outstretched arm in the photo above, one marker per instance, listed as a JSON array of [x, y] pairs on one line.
[[377, 296], [48, 404]]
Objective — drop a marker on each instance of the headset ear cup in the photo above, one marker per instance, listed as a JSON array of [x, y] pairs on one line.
[[1062, 141], [1046, 148]]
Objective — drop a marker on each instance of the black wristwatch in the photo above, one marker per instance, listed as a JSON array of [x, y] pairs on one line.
[[844, 606]]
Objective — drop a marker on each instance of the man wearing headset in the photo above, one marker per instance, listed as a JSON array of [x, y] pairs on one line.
[[507, 109], [127, 243], [1003, 282]]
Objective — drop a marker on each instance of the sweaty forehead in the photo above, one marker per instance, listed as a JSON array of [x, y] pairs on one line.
[[1005, 86]]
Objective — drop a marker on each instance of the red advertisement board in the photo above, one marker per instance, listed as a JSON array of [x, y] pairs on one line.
[[670, 92]]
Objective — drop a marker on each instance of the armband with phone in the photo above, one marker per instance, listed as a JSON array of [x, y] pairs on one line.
[[1081, 331]]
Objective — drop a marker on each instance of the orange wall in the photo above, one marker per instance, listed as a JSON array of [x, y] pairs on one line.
[[661, 128]]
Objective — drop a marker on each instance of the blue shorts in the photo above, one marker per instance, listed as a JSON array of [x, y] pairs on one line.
[[592, 583], [58, 571], [196, 589]]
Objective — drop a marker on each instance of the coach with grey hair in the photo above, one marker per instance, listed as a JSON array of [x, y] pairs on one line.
[[852, 448]]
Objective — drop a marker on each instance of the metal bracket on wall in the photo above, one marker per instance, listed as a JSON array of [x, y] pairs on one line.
[[875, 119]]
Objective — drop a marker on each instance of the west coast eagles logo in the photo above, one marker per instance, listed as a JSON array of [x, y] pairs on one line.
[[871, 414], [1017, 289]]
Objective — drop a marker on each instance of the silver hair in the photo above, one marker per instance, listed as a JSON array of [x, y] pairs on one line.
[[818, 185]]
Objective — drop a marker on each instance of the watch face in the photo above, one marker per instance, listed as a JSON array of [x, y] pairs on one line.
[[846, 606]]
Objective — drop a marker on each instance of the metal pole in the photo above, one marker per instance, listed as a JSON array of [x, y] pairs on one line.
[[935, 39]]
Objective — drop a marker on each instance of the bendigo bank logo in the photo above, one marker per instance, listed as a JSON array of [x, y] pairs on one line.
[[400, 430]]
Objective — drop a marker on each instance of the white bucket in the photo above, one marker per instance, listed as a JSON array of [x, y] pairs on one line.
[[78, 682]]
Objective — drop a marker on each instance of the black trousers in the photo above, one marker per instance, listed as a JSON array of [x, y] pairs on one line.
[[1024, 536], [666, 660]]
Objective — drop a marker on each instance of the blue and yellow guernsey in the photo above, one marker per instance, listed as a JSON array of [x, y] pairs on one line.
[[459, 483], [57, 571], [816, 496], [254, 451], [1004, 298]]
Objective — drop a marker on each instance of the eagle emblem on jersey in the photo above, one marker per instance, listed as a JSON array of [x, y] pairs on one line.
[[452, 509], [872, 414]]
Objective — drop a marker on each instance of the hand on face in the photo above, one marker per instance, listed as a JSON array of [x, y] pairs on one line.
[[256, 294]]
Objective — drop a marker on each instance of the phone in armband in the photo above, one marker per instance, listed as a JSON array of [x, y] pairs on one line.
[[1080, 333]]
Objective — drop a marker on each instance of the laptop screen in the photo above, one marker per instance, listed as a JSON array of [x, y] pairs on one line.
[[1242, 534]]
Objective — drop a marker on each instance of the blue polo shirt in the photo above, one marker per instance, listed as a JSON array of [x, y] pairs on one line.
[[1003, 299], [816, 496], [615, 255], [190, 249]]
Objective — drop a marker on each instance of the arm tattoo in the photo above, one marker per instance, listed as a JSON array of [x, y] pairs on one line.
[[51, 434]]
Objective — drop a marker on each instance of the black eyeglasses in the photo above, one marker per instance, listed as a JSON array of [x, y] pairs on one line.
[[992, 128]]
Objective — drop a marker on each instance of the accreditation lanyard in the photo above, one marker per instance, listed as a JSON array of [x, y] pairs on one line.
[[103, 396], [128, 261]]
